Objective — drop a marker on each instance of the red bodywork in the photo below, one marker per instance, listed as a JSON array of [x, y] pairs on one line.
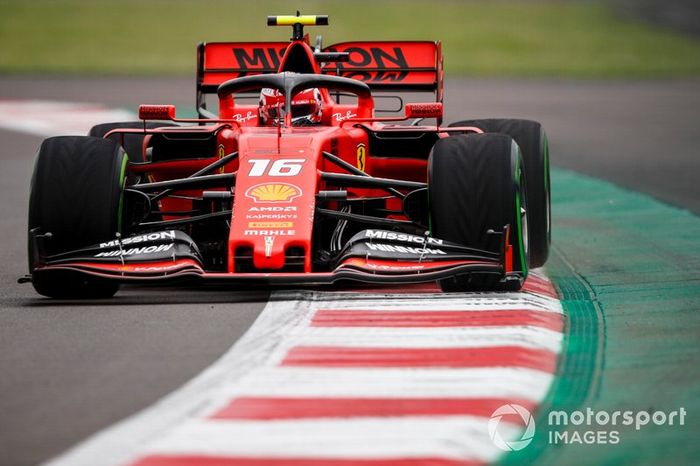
[[278, 171]]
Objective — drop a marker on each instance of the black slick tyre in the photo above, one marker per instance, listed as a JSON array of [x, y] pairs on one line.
[[534, 147], [476, 185], [76, 196]]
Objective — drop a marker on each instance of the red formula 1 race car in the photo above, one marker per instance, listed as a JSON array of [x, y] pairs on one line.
[[294, 180]]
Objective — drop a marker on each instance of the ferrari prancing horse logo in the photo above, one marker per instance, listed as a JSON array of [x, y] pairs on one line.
[[361, 154], [222, 154]]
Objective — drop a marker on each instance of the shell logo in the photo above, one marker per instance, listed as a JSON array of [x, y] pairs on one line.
[[273, 192]]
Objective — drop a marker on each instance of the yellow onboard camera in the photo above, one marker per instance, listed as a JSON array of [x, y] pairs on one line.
[[298, 22]]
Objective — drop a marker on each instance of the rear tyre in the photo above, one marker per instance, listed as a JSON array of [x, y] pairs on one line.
[[77, 196], [534, 145], [133, 143], [476, 184]]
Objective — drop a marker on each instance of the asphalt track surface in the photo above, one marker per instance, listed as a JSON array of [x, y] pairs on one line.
[[71, 368]]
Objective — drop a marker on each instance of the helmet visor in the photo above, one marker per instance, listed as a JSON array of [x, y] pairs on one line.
[[300, 110]]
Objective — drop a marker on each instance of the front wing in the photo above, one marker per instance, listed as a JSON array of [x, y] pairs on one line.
[[371, 256]]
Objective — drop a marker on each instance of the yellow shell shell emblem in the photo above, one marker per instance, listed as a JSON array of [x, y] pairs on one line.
[[273, 192]]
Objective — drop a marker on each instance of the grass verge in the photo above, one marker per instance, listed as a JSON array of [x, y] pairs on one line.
[[499, 38]]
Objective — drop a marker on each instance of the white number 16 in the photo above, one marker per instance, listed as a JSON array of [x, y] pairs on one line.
[[280, 167]]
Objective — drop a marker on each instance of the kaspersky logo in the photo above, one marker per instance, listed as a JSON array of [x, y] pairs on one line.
[[273, 192], [497, 429]]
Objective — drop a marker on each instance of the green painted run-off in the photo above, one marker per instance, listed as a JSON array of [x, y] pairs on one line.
[[628, 272]]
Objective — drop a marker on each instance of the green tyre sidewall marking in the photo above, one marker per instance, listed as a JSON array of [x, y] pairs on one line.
[[122, 183]]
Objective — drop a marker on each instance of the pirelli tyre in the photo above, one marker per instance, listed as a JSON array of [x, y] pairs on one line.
[[534, 146], [133, 143], [476, 186], [76, 200]]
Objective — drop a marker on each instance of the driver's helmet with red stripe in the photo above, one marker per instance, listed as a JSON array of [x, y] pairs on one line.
[[307, 106]]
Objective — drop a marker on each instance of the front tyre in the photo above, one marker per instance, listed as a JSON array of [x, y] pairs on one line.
[[534, 145], [76, 196], [476, 187]]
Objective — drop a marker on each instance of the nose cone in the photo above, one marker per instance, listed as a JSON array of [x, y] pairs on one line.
[[274, 201]]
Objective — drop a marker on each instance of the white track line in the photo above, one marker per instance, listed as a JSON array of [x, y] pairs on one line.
[[51, 118], [438, 302], [422, 337], [500, 382], [454, 437]]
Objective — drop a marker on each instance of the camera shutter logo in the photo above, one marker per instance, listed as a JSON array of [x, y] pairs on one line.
[[527, 420]]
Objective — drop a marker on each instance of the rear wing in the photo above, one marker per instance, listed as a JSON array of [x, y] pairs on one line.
[[217, 62], [402, 65], [406, 66]]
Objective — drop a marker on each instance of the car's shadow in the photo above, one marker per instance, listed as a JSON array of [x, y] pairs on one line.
[[161, 295], [190, 294]]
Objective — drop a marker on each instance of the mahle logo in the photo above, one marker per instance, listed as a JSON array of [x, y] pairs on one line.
[[496, 429]]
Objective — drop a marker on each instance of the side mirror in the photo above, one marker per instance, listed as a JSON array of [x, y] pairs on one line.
[[156, 112], [424, 110]]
